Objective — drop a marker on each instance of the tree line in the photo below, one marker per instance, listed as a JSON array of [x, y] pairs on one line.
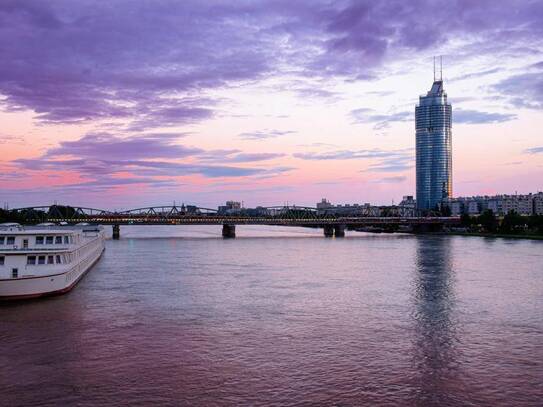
[[511, 224], [33, 216]]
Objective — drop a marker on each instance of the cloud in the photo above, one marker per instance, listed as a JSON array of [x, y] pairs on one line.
[[92, 61], [365, 115], [363, 34], [103, 146], [395, 165], [477, 74], [173, 112], [252, 157], [402, 161], [106, 183], [351, 154], [105, 161], [390, 180], [6, 139], [264, 134], [534, 150], [524, 90], [462, 116], [79, 61]]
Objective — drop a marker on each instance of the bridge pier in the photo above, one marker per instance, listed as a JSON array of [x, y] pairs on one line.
[[339, 230], [228, 231], [328, 230], [116, 232]]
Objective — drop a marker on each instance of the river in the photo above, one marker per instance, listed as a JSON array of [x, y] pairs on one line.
[[175, 315]]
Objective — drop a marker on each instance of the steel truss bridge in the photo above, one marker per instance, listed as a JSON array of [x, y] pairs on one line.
[[333, 224]]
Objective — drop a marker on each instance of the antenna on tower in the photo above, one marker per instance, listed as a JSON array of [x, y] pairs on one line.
[[434, 68], [441, 67]]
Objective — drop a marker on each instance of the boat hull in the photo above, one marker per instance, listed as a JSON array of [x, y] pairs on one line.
[[54, 284]]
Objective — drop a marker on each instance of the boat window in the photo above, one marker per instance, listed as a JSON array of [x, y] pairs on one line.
[[58, 259], [39, 239], [49, 240], [1, 260], [50, 259], [2, 239], [66, 240], [58, 239], [14, 273], [31, 260], [25, 243], [41, 259], [10, 240]]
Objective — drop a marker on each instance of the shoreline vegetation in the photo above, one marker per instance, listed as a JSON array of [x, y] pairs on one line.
[[512, 225], [492, 235], [487, 224]]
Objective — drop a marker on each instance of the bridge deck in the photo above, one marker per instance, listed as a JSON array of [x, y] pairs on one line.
[[273, 221]]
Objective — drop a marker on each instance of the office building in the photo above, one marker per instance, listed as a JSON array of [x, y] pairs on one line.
[[433, 117]]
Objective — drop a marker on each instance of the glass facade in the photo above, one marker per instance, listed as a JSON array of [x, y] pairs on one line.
[[433, 119]]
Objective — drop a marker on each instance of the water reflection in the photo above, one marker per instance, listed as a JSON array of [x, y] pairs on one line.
[[435, 351]]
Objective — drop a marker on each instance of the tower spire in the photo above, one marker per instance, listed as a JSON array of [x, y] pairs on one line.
[[434, 68], [441, 67]]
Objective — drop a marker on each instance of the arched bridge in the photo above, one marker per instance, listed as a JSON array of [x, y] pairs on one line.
[[332, 224]]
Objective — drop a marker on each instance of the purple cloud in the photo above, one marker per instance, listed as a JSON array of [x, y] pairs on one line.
[[264, 134], [365, 115], [252, 157], [524, 90], [391, 179], [153, 62], [70, 62], [108, 161], [478, 117], [103, 146], [534, 150], [352, 154]]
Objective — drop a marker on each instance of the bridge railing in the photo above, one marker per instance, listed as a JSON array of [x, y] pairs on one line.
[[193, 214]]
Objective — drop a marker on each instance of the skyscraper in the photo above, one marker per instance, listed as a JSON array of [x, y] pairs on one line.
[[434, 150]]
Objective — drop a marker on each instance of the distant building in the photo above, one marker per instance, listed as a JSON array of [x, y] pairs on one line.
[[230, 207], [495, 204], [474, 207], [406, 208], [408, 202], [457, 208], [538, 204], [433, 122], [521, 204], [324, 207], [530, 204], [324, 204]]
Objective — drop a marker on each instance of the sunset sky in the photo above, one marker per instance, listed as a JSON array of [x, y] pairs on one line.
[[120, 104]]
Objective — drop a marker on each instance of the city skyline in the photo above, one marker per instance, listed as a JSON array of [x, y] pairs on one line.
[[262, 104]]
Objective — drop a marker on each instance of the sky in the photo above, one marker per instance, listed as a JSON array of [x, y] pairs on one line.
[[123, 104]]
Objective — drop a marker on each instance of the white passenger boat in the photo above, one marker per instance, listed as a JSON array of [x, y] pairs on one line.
[[45, 260]]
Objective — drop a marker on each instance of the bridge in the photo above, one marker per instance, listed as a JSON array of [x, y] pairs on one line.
[[300, 216]]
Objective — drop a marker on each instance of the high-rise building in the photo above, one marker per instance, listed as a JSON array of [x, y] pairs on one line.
[[433, 117]]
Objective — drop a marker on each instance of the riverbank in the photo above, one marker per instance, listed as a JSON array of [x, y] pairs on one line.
[[495, 235]]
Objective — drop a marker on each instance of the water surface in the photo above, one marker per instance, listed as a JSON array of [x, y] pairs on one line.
[[279, 316]]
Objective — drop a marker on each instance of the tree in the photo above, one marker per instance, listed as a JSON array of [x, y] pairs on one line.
[[466, 220], [488, 221], [535, 223], [445, 210], [512, 223]]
